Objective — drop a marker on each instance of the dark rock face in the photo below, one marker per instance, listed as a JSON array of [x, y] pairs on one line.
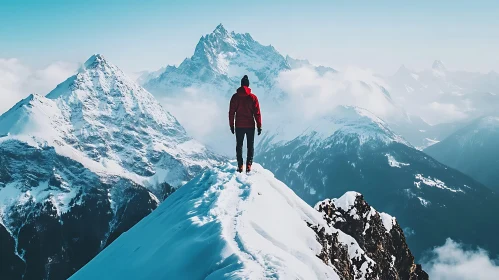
[[334, 253], [385, 246], [428, 213], [47, 237], [11, 265]]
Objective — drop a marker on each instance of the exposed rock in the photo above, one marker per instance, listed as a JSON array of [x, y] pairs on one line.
[[378, 234]]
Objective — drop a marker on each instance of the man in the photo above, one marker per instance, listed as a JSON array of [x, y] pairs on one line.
[[246, 109]]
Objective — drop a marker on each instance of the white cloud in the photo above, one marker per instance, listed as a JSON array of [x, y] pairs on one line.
[[18, 80], [308, 95], [436, 112], [315, 94], [198, 112], [204, 115], [453, 261]]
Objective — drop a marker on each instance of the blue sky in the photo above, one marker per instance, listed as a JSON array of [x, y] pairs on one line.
[[139, 35]]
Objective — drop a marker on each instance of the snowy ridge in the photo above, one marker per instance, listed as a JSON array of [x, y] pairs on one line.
[[236, 216], [231, 220], [343, 124]]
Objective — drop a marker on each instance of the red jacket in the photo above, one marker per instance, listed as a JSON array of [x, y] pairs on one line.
[[244, 105]]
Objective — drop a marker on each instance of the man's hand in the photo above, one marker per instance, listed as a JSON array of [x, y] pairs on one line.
[[232, 129], [259, 130]]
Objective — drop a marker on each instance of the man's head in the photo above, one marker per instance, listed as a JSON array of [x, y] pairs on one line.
[[245, 81]]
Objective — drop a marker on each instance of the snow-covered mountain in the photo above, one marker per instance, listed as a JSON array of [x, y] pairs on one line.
[[218, 64], [84, 164], [473, 150], [104, 120], [56, 215], [225, 225], [354, 150]]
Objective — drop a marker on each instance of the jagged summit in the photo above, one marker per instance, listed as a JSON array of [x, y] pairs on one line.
[[219, 61], [96, 72], [94, 61], [252, 227], [220, 29]]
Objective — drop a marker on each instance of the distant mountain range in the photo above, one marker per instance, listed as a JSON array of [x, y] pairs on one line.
[[474, 150], [467, 94]]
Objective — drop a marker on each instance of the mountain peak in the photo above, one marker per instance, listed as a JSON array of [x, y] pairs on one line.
[[94, 61], [95, 66], [438, 65], [220, 29], [219, 58]]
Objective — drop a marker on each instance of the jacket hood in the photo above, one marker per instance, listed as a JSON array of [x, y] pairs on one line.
[[244, 90]]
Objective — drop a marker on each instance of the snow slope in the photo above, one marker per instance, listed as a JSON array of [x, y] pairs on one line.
[[225, 225], [221, 225]]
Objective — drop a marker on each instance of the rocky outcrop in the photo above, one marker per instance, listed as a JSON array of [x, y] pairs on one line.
[[378, 235]]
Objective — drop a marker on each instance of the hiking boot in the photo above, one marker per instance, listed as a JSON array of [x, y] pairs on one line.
[[240, 168], [248, 168]]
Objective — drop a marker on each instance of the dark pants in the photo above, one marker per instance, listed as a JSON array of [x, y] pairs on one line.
[[250, 141]]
